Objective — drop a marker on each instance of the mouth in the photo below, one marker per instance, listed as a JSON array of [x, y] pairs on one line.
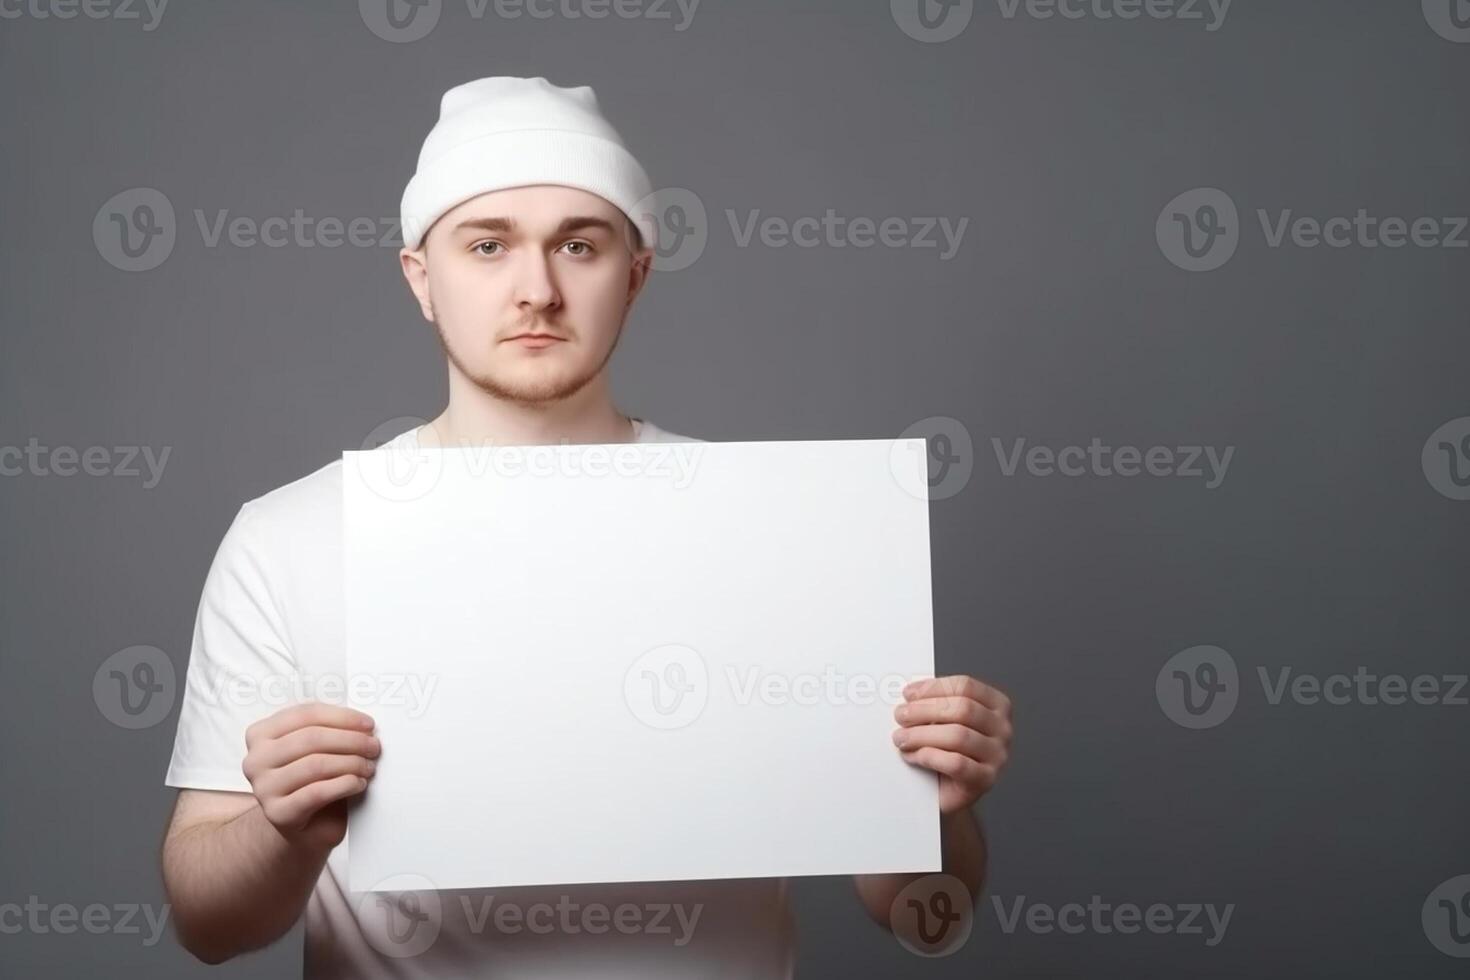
[[535, 341]]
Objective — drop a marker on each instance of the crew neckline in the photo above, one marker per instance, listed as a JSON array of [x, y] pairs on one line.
[[412, 440]]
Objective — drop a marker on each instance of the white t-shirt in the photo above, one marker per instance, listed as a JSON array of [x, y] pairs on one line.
[[268, 633]]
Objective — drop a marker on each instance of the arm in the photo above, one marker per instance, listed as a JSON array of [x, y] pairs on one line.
[[239, 867], [961, 729], [962, 839], [235, 884]]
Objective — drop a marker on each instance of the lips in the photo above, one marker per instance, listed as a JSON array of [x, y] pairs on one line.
[[536, 341]]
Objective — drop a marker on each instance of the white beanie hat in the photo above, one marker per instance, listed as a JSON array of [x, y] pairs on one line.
[[503, 131]]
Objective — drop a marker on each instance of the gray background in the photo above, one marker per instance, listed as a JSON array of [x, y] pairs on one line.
[[1325, 548]]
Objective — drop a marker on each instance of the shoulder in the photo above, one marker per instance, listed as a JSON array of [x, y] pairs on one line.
[[313, 498], [299, 507], [306, 511]]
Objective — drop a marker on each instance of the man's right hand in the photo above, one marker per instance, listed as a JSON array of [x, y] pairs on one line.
[[304, 762]]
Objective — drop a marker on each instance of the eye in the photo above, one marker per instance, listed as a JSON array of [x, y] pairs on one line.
[[480, 245], [586, 248]]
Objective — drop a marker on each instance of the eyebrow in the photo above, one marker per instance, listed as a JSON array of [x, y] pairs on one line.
[[575, 223]]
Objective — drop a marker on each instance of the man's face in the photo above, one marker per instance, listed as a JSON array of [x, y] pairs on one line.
[[547, 261]]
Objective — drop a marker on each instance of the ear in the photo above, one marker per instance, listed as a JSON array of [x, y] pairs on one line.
[[416, 271], [638, 273]]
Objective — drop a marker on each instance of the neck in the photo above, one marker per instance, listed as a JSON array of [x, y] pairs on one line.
[[474, 417]]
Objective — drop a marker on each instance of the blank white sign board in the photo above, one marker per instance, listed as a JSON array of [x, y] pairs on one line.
[[639, 662]]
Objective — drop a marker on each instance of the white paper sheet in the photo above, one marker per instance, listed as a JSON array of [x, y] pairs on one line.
[[638, 662]]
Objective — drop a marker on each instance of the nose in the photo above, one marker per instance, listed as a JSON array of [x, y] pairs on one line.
[[535, 285]]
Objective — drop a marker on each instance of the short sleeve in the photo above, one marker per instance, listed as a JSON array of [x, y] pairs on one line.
[[238, 654]]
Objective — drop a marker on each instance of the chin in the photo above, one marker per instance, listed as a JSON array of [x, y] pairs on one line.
[[537, 384]]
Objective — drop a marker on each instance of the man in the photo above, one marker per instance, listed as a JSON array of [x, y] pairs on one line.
[[522, 247]]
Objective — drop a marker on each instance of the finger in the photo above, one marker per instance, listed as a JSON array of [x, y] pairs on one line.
[[959, 685], [951, 685], [307, 713], [307, 741], [952, 738], [295, 810], [958, 767], [957, 711], [313, 769]]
